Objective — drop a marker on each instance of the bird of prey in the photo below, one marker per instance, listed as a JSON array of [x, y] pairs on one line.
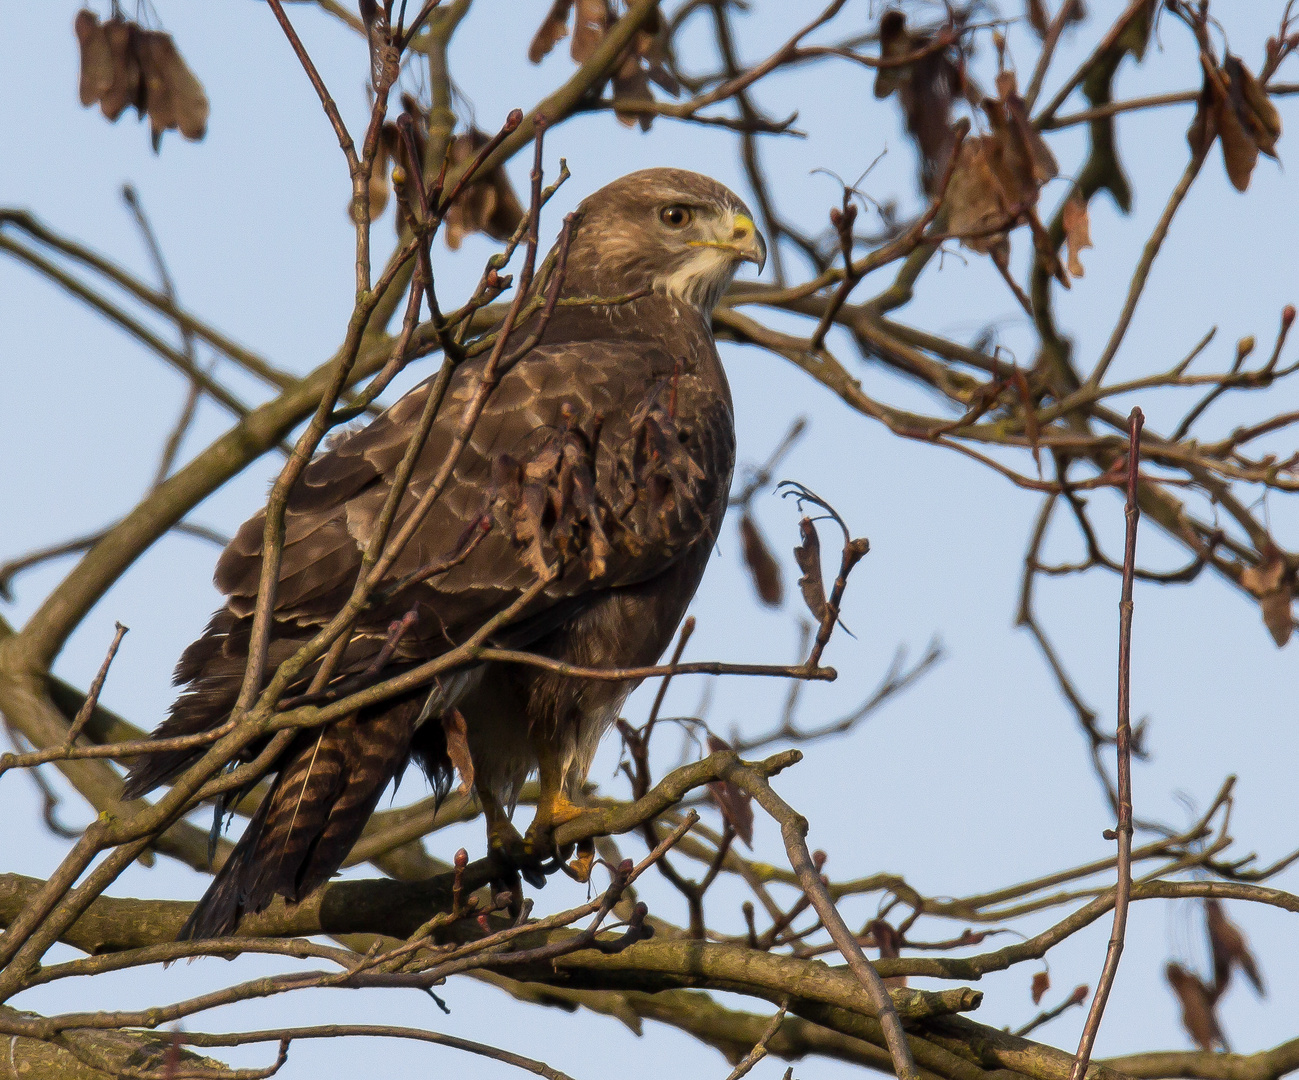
[[602, 458]]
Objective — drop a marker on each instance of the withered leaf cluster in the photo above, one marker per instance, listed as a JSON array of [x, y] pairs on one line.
[[997, 177], [487, 205], [124, 64], [1199, 998], [644, 60], [926, 88], [1235, 109]]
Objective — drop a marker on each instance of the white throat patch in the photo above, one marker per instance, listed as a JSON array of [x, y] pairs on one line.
[[701, 280]]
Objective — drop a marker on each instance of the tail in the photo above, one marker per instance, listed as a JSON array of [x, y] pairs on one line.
[[212, 671], [326, 790]]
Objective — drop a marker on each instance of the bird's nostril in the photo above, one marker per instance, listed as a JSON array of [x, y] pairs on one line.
[[740, 232]]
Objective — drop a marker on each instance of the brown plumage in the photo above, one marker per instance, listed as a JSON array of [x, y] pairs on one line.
[[606, 451]]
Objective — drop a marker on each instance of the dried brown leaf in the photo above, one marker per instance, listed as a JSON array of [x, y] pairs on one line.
[[591, 22], [1198, 1015], [1272, 582], [1252, 105], [1239, 149], [553, 29], [174, 97], [488, 204], [631, 83], [1077, 232], [96, 58], [1041, 984], [735, 804], [811, 584], [1229, 948], [763, 568], [1040, 21], [457, 736], [126, 86], [1032, 431], [889, 943]]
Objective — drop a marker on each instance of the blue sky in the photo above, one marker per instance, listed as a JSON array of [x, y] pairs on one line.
[[976, 778]]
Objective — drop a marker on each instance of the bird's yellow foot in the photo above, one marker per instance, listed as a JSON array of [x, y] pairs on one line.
[[584, 862], [553, 810], [503, 839]]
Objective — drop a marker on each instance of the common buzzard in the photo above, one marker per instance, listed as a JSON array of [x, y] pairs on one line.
[[604, 455]]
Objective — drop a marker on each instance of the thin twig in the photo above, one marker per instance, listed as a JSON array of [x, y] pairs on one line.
[[759, 1050], [1123, 833], [96, 686], [687, 628], [172, 446]]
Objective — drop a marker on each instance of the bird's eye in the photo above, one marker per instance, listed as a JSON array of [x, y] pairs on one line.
[[675, 217]]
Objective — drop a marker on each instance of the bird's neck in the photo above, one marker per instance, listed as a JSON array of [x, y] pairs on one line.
[[669, 322]]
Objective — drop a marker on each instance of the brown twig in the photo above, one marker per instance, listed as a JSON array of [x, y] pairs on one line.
[[759, 1051], [1123, 833], [378, 1031], [96, 686]]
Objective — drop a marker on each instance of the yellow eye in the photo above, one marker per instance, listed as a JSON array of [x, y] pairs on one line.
[[675, 217]]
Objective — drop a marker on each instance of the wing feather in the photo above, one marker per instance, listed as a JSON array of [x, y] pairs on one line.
[[608, 386]]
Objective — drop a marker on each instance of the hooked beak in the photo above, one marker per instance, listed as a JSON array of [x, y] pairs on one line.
[[744, 242], [747, 242]]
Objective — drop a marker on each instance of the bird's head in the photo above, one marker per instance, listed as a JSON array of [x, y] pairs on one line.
[[663, 230]]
